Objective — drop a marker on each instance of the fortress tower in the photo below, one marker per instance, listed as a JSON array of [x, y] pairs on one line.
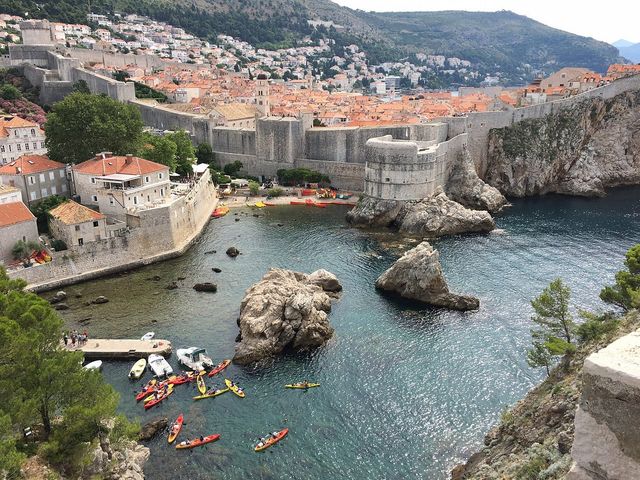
[[36, 32], [262, 95]]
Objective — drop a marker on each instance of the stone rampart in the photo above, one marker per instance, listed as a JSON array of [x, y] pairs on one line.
[[163, 118], [606, 442], [279, 139], [233, 141]]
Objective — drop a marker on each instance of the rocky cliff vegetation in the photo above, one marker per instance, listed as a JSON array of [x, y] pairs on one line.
[[434, 216], [285, 310], [579, 150], [417, 275], [534, 438]]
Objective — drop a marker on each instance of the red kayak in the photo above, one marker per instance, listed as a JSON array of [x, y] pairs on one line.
[[220, 368], [156, 401], [272, 440], [148, 390], [175, 429], [198, 442], [179, 380]]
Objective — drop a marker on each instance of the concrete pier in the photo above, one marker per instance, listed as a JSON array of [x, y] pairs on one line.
[[104, 348]]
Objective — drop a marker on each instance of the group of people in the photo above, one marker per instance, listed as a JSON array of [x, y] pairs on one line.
[[75, 337], [263, 440]]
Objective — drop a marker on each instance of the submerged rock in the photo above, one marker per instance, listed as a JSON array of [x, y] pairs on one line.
[[431, 217], [172, 286], [417, 275], [233, 252], [58, 297], [152, 428], [216, 269], [285, 310], [205, 287], [100, 299], [61, 306]]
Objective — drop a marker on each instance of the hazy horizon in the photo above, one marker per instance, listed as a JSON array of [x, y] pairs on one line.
[[605, 24]]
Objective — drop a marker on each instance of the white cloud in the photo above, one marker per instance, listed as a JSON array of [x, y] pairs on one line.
[[608, 21]]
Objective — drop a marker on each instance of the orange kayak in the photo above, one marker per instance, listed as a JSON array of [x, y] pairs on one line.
[[220, 367], [175, 429], [197, 442], [272, 440], [220, 212]]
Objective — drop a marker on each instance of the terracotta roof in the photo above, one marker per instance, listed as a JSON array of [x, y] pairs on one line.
[[118, 164], [11, 121], [236, 111], [28, 164], [72, 213], [15, 212]]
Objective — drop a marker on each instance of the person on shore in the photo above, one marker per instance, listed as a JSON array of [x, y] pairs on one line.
[[65, 338], [85, 334]]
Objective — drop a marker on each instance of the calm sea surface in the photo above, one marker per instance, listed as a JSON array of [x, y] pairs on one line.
[[406, 391]]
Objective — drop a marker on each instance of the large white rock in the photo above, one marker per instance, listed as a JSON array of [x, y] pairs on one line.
[[285, 309], [417, 275]]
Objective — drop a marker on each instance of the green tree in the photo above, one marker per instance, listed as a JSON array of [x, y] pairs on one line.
[[538, 356], [204, 153], [51, 381], [625, 293], [233, 168], [185, 152], [159, 149], [9, 92], [254, 187], [551, 311], [81, 125], [81, 87], [10, 458]]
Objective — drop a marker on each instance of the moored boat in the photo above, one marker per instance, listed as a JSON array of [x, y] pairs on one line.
[[95, 365], [220, 367], [138, 369], [194, 358], [198, 441], [159, 366], [148, 336], [272, 440]]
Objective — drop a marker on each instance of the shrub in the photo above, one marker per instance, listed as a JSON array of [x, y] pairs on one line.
[[595, 326], [58, 245], [9, 92], [275, 192], [254, 188]]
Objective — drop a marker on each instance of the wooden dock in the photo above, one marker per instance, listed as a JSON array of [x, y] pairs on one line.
[[104, 348]]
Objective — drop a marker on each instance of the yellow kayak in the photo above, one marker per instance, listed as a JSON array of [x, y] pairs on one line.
[[301, 385], [219, 391], [138, 369], [234, 388], [153, 397], [260, 204], [202, 387]]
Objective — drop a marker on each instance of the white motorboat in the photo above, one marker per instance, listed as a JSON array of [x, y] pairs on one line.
[[194, 358], [95, 365], [148, 336], [159, 366]]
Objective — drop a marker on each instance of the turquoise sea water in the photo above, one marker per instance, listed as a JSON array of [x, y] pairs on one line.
[[407, 391]]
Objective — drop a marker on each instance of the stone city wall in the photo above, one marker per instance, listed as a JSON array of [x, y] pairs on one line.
[[153, 235], [157, 116], [606, 442]]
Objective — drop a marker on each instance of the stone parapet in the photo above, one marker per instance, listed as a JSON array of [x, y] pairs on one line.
[[606, 445]]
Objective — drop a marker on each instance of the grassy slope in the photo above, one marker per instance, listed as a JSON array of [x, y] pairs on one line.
[[536, 435]]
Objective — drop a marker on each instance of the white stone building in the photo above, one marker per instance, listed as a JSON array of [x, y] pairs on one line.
[[76, 224], [36, 176], [118, 185], [19, 137]]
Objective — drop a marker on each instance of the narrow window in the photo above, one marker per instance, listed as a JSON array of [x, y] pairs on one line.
[[95, 224]]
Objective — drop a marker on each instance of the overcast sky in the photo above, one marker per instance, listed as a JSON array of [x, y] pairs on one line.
[[607, 20]]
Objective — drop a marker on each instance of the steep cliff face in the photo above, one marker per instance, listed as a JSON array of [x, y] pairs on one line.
[[579, 150]]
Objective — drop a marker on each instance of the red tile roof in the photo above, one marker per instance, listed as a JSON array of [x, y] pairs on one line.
[[28, 164], [71, 213], [15, 212], [11, 121], [118, 164]]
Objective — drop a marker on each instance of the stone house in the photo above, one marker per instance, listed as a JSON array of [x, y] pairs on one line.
[[118, 185], [234, 115], [16, 223], [19, 137], [76, 224], [9, 194], [36, 176], [567, 77]]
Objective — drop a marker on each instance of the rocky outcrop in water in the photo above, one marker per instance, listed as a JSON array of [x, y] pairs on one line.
[[285, 310], [417, 275], [431, 217], [580, 150], [152, 428]]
